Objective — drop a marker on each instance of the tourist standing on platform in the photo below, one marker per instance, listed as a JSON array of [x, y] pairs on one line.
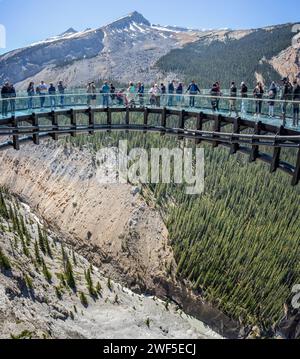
[[12, 99], [163, 91], [232, 101], [30, 93], [171, 90], [155, 96], [244, 95], [61, 89], [42, 91], [179, 93], [105, 94], [91, 97], [296, 97], [140, 92], [286, 95], [258, 94], [218, 86], [131, 92], [112, 93], [272, 96], [193, 90], [5, 98], [214, 92], [52, 95]]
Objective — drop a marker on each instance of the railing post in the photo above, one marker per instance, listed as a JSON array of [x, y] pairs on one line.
[[73, 122], [199, 126], [181, 123], [296, 176], [16, 141], [255, 148], [164, 120], [109, 119], [217, 128], [91, 121], [127, 118], [35, 123], [276, 154], [146, 116], [236, 129], [54, 122]]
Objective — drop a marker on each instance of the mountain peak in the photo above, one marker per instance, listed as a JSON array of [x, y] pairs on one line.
[[125, 21], [69, 32]]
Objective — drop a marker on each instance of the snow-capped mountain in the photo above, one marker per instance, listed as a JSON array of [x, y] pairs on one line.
[[124, 49], [131, 48]]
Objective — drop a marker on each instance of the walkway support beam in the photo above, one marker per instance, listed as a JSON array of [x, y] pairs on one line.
[[54, 121], [255, 148], [35, 123]]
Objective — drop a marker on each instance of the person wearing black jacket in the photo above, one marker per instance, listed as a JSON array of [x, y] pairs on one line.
[[5, 97], [244, 95], [296, 97], [232, 101], [30, 93], [52, 93]]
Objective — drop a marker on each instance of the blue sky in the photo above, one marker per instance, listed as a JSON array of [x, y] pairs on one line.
[[32, 20]]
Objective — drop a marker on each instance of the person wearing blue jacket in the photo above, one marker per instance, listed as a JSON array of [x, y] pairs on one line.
[[193, 90]]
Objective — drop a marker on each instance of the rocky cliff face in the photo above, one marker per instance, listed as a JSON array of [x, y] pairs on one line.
[[110, 225], [38, 300]]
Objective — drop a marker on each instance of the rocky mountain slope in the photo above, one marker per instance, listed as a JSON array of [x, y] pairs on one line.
[[110, 225], [47, 290], [132, 48]]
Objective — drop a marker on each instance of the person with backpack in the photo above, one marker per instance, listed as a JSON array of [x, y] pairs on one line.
[[61, 89], [171, 90], [258, 94], [193, 90], [296, 97], [52, 95], [244, 95], [272, 96], [232, 101]]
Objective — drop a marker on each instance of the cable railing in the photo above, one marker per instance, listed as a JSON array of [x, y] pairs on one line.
[[272, 111]]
